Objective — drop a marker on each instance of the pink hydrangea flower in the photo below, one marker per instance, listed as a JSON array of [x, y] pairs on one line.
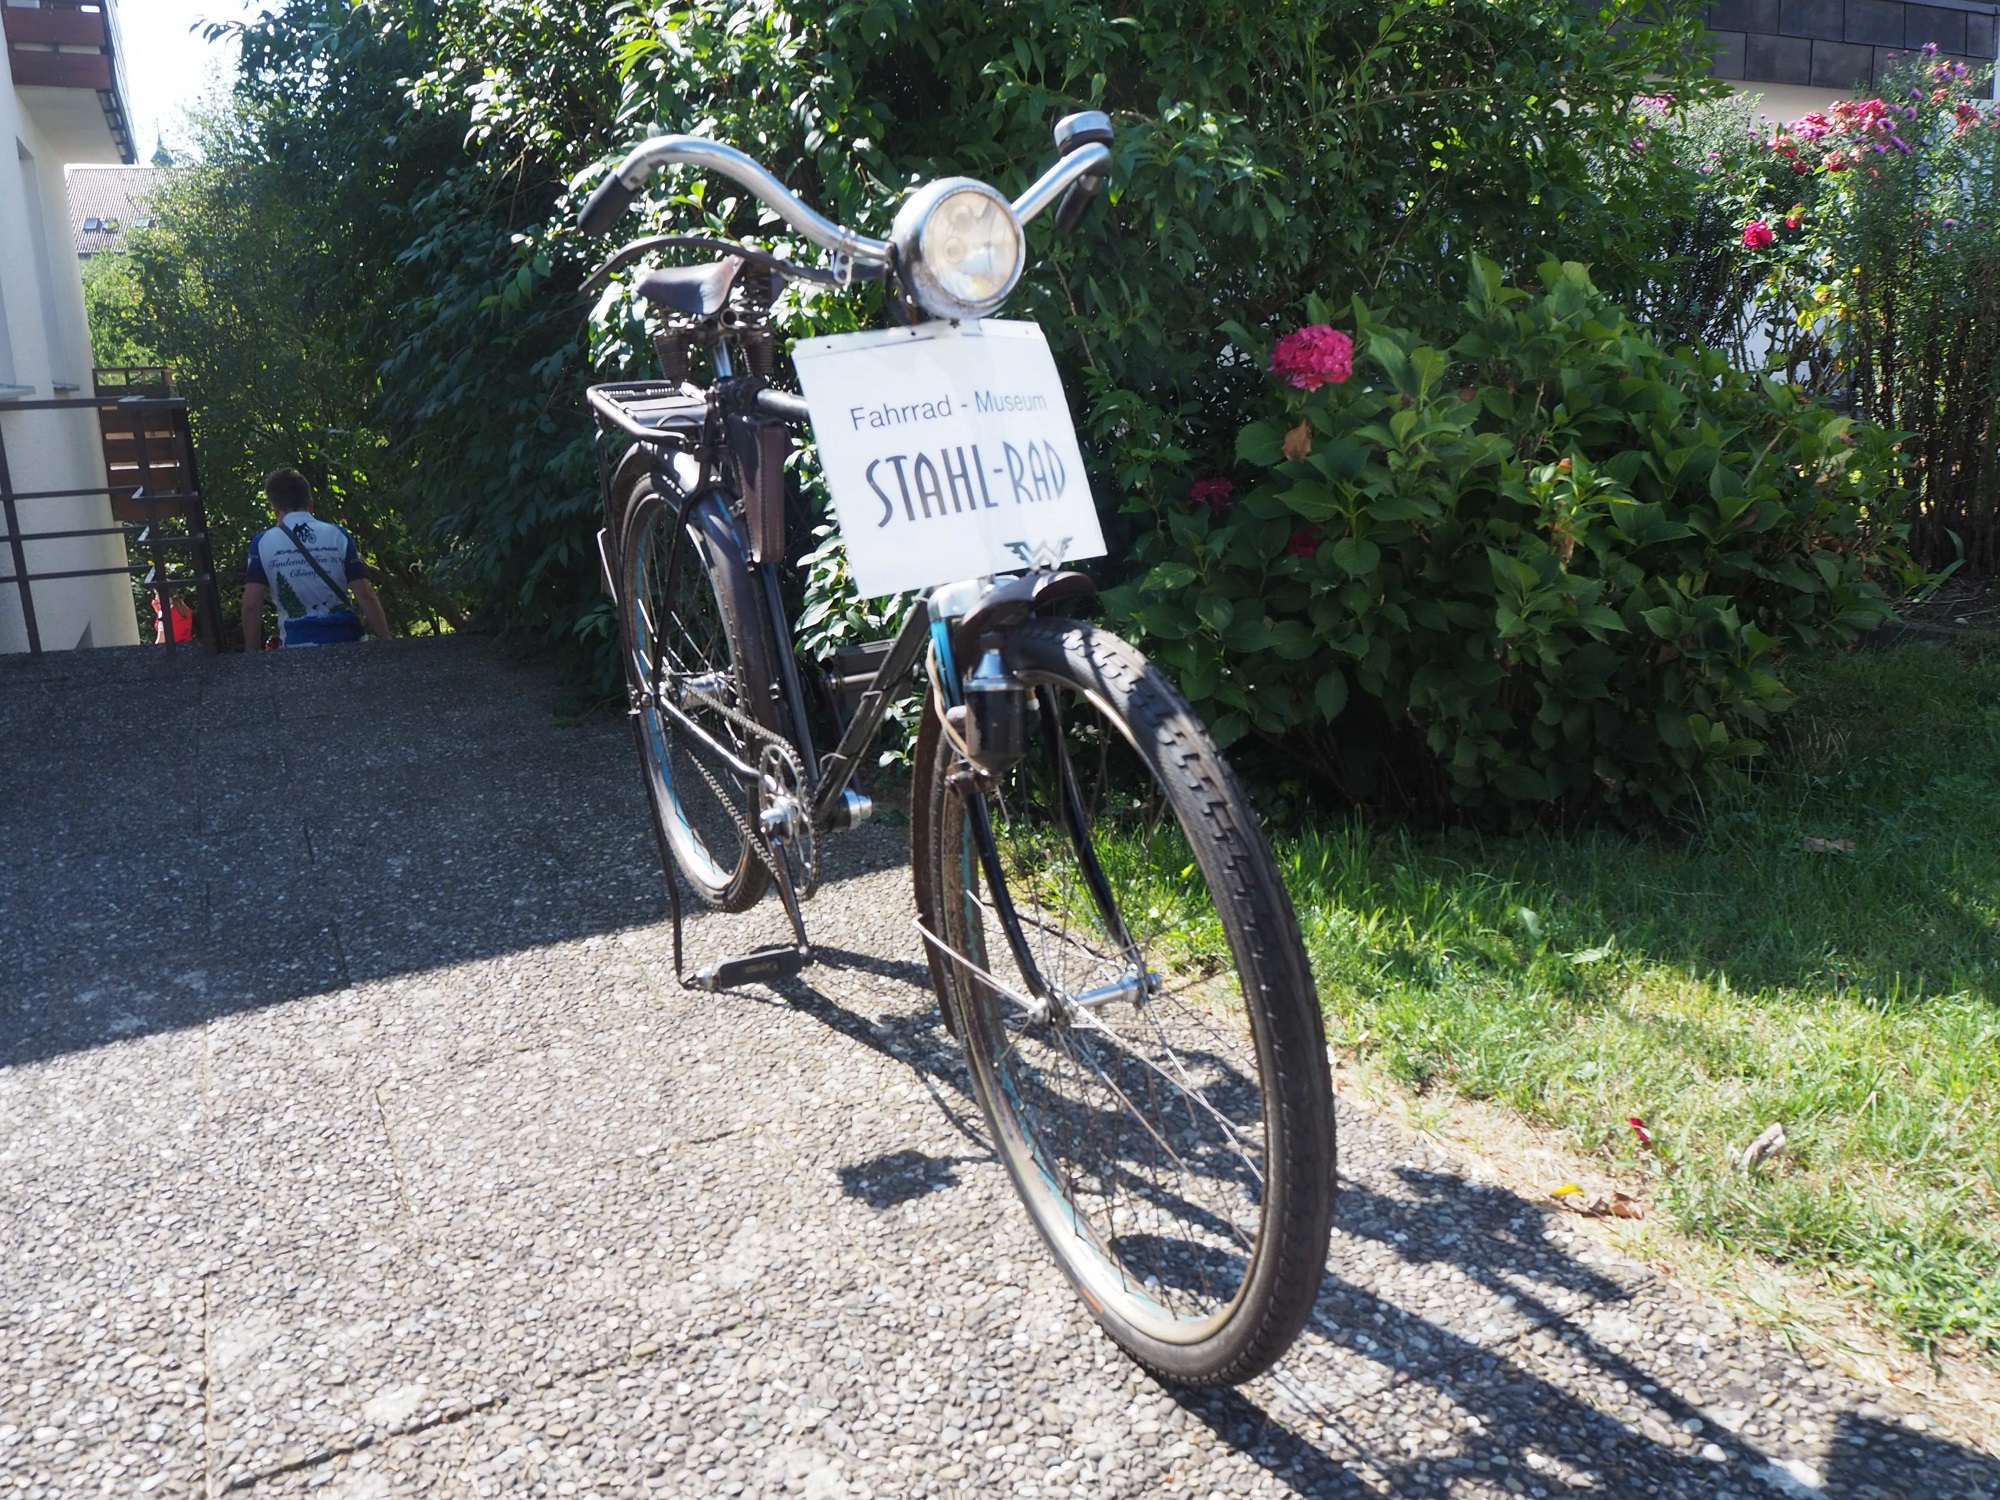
[[1757, 235], [1314, 356], [1217, 493]]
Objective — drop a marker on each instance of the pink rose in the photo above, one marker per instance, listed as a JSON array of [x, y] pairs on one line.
[[1313, 357], [1757, 235]]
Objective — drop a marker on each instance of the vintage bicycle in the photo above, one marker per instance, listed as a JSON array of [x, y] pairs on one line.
[[1106, 930]]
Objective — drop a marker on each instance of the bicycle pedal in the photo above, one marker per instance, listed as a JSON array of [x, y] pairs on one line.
[[761, 967]]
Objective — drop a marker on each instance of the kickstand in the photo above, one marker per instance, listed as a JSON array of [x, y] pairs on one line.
[[761, 966], [766, 964]]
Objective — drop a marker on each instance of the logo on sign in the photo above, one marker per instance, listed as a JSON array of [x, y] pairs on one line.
[[1042, 555]]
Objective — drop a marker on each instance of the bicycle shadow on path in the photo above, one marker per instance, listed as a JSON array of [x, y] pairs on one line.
[[1621, 1383], [1467, 1341]]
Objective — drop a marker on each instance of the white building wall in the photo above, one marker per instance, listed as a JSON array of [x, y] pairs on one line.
[[45, 352], [1782, 103]]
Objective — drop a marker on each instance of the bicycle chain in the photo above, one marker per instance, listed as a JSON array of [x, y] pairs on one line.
[[804, 847]]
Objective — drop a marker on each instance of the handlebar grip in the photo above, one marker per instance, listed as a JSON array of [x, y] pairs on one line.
[[606, 206], [783, 405], [1076, 201]]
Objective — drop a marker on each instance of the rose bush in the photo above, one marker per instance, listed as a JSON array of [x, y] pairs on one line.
[[1867, 268], [1553, 565]]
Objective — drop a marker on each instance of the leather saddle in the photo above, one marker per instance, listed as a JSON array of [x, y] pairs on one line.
[[698, 291]]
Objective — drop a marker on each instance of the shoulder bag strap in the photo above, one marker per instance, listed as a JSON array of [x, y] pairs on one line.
[[298, 540]]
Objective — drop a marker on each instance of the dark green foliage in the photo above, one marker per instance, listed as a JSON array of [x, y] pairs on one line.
[[1265, 154], [417, 163], [1550, 564]]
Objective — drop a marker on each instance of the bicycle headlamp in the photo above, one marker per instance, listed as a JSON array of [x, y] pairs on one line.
[[959, 247]]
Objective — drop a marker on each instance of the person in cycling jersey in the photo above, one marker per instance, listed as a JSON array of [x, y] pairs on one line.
[[311, 573]]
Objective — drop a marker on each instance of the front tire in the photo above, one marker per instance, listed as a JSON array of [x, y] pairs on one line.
[[1174, 1143]]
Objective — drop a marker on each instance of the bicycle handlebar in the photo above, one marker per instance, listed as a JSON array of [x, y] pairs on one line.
[[615, 194], [783, 405]]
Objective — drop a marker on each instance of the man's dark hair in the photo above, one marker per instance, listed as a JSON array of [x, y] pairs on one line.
[[287, 490]]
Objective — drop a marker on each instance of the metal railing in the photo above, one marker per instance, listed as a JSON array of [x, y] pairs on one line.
[[172, 561]]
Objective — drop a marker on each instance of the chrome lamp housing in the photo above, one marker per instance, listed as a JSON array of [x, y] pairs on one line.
[[959, 248]]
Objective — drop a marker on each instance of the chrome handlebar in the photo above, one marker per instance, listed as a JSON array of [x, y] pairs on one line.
[[1093, 160], [615, 194]]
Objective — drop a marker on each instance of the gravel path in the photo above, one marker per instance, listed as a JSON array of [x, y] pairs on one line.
[[355, 1139]]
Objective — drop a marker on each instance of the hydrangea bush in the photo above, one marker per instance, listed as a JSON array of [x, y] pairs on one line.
[[1552, 565]]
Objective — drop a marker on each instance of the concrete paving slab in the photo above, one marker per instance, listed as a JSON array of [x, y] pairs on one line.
[[331, 1349]]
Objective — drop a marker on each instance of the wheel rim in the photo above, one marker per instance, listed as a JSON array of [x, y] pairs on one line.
[[1137, 1131], [678, 637]]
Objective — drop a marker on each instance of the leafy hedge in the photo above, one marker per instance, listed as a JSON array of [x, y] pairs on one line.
[[1552, 564], [419, 163]]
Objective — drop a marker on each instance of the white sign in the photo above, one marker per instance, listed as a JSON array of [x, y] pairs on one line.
[[948, 451]]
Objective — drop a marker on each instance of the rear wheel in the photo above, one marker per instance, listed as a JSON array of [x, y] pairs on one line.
[[694, 638], [1150, 1058]]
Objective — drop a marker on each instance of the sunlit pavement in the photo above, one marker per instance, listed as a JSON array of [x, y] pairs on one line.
[[354, 1135]]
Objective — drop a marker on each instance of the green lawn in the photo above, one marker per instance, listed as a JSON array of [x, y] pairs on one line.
[[1734, 977]]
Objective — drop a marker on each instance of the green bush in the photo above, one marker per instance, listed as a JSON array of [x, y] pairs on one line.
[[419, 164], [1551, 566]]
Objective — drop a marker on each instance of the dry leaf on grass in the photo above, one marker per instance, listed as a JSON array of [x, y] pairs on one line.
[[1828, 846], [1299, 442], [1615, 1205], [1767, 1145]]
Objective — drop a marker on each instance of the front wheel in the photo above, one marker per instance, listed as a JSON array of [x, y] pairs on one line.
[[1115, 946]]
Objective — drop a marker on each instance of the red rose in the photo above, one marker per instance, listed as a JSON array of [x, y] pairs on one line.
[[1315, 356], [1757, 235]]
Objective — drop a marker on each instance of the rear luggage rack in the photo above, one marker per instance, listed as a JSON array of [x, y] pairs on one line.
[[650, 409]]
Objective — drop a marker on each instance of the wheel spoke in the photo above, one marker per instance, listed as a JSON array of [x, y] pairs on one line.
[[677, 633], [1144, 1119]]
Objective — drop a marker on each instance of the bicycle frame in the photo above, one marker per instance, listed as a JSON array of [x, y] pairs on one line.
[[970, 609]]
